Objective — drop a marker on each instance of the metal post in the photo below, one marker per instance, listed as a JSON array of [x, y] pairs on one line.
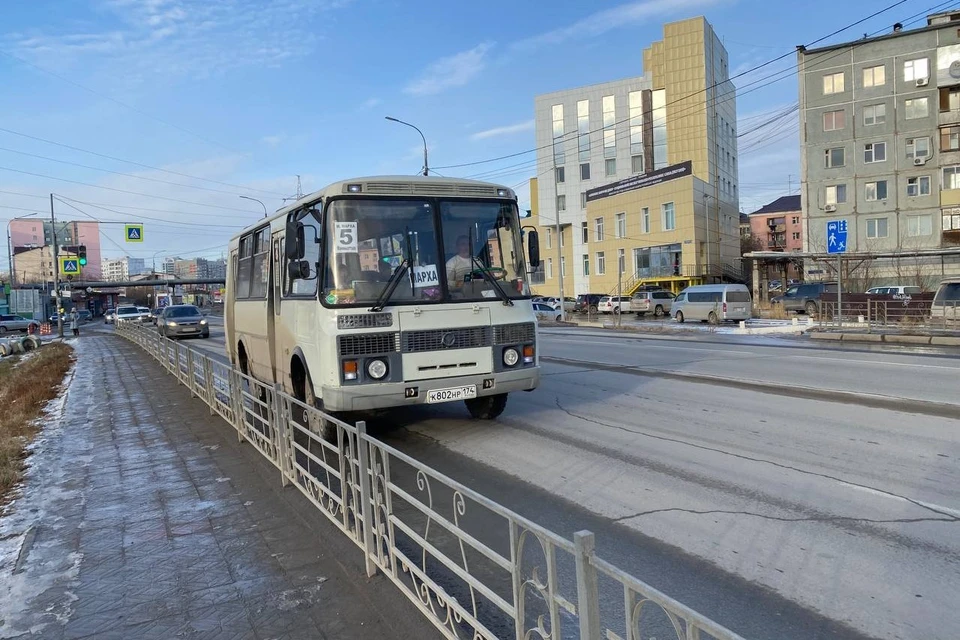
[[426, 165], [13, 272], [280, 432], [839, 290], [556, 205], [366, 493], [706, 220], [56, 267], [619, 292], [588, 592]]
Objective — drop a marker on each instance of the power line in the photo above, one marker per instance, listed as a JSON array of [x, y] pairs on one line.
[[158, 220], [101, 205], [134, 163]]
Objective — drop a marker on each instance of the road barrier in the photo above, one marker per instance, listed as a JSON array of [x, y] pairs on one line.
[[901, 313], [473, 567]]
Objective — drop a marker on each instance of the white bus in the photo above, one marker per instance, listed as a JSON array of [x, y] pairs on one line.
[[387, 291]]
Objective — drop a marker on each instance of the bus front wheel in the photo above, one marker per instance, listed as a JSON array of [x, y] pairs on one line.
[[487, 407]]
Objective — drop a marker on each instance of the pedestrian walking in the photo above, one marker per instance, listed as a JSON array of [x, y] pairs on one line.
[[75, 323]]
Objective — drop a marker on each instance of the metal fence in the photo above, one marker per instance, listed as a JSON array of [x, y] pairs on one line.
[[474, 568], [903, 313]]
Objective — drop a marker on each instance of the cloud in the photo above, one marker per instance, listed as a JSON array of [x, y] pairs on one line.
[[452, 71], [624, 15], [503, 131], [197, 38], [370, 103], [273, 141]]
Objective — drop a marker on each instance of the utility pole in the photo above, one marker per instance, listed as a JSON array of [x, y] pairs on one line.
[[56, 267], [556, 205]]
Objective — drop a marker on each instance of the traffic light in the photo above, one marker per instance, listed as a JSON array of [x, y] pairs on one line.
[[82, 254]]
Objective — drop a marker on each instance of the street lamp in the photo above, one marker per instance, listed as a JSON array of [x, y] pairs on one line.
[[261, 204], [426, 167], [13, 272]]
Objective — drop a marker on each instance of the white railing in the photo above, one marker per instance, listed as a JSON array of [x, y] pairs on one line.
[[474, 568]]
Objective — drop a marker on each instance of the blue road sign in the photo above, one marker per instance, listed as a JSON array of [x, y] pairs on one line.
[[70, 266], [837, 236], [133, 232]]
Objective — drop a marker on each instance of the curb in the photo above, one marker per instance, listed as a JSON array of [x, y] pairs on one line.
[[942, 341]]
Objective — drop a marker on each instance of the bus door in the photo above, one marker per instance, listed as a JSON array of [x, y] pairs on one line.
[[274, 326]]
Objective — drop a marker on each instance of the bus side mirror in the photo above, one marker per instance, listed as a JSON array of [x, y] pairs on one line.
[[293, 247], [299, 269], [533, 248]]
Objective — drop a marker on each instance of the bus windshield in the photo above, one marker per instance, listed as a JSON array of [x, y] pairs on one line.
[[368, 239]]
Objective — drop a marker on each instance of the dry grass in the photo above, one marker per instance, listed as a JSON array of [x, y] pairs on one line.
[[26, 386], [774, 311]]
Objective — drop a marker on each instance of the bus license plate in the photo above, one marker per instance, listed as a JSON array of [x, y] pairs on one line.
[[451, 394]]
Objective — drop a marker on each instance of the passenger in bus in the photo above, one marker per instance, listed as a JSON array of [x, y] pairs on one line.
[[461, 264]]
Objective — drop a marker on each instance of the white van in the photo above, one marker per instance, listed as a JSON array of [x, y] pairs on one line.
[[946, 303], [713, 303]]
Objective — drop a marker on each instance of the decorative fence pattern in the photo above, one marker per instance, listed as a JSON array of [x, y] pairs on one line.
[[474, 568]]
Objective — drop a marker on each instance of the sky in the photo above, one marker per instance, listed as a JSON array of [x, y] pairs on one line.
[[166, 112]]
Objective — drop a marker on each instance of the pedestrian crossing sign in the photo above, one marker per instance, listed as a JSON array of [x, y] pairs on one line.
[[133, 232], [70, 266]]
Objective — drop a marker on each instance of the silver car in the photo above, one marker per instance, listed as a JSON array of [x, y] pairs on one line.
[[182, 320], [659, 302], [17, 323]]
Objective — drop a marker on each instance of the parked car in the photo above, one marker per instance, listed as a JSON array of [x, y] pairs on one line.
[[544, 311], [127, 313], [894, 291], [946, 302], [614, 304], [587, 302], [805, 297], [11, 323], [553, 302], [181, 320], [713, 303], [109, 316], [659, 302], [569, 304]]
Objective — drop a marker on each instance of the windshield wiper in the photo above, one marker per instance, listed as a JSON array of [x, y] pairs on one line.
[[486, 274], [392, 283]]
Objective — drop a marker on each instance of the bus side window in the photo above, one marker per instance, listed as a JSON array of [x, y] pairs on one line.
[[307, 286]]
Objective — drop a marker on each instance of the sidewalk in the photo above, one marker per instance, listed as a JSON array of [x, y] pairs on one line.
[[143, 517]]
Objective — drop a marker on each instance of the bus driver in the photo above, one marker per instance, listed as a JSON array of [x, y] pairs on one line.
[[461, 264]]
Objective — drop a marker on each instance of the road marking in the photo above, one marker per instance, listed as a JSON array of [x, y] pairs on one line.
[[883, 494]]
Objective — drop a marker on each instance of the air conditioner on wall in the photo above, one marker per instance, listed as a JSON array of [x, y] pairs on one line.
[[830, 208], [919, 162], [922, 82]]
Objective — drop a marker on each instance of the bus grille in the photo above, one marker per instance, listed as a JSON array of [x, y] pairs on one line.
[[443, 339], [366, 344], [514, 333], [365, 321], [431, 189]]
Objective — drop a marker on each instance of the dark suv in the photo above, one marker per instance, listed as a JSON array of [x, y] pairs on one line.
[[805, 297], [587, 302]]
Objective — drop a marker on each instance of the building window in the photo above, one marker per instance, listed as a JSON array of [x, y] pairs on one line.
[[796, 235], [915, 108], [919, 186], [561, 238], [550, 268], [949, 99], [876, 227], [586, 264], [598, 230], [558, 155], [919, 225], [835, 194], [795, 220], [610, 167], [563, 267], [834, 120], [583, 199], [601, 263], [585, 171], [621, 224], [833, 158], [915, 70], [918, 148], [876, 191], [668, 215], [561, 203], [584, 232], [875, 152], [874, 114], [950, 139], [561, 175], [636, 164], [609, 104], [645, 220], [951, 177], [833, 83], [583, 131], [874, 76], [548, 234], [621, 261]]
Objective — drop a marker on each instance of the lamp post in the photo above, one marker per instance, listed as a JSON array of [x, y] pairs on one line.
[[153, 261], [13, 272], [261, 204], [426, 167]]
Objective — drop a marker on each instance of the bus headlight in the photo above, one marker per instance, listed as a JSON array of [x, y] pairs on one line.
[[510, 357], [377, 369]]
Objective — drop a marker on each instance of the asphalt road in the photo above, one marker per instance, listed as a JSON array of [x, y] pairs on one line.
[[785, 489]]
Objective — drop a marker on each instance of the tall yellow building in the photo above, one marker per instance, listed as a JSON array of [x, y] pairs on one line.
[[639, 176]]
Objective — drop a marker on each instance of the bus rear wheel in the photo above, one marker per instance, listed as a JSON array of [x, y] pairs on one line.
[[487, 407]]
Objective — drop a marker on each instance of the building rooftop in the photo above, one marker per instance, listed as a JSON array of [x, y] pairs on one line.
[[780, 205], [934, 21]]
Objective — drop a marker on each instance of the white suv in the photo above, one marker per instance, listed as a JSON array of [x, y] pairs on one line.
[[659, 302], [127, 313], [614, 304]]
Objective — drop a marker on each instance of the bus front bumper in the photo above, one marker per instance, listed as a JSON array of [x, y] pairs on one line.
[[395, 394]]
